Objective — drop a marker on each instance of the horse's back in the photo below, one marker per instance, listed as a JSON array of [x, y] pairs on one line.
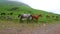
[[26, 15]]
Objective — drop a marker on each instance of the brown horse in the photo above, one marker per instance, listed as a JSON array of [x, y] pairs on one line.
[[36, 17]]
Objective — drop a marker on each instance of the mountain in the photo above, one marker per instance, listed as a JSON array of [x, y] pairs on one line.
[[7, 5], [18, 7], [6, 2], [12, 3]]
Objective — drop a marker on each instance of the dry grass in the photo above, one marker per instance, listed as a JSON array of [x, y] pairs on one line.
[[11, 24], [10, 27]]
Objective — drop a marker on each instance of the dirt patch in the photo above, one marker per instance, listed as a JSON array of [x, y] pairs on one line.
[[27, 29]]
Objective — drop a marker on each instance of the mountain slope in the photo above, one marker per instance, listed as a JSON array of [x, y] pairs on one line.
[[17, 8], [6, 2]]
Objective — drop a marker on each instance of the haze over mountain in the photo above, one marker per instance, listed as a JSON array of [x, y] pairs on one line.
[[6, 3], [15, 3], [47, 5]]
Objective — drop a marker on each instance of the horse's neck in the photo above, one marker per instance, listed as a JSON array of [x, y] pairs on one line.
[[38, 15]]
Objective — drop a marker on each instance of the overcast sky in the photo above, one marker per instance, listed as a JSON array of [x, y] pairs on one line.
[[47, 5]]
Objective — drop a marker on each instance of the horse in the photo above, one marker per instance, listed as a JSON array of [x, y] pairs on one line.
[[36, 17], [27, 16]]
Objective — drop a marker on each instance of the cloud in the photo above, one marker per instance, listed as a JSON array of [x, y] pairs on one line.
[[47, 5]]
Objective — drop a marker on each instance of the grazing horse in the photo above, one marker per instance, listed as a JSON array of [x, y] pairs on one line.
[[27, 16], [36, 17]]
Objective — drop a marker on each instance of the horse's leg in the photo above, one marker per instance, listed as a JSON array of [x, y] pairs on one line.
[[32, 19], [36, 20], [21, 19], [27, 20]]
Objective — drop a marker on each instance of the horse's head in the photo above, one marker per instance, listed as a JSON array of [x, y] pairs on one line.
[[40, 15], [19, 15]]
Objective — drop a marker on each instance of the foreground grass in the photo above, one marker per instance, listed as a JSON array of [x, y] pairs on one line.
[[14, 24], [11, 24]]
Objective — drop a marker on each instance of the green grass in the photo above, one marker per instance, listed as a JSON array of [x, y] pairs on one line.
[[10, 24], [25, 9], [13, 24]]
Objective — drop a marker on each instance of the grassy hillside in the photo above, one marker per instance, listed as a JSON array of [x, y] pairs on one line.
[[17, 8]]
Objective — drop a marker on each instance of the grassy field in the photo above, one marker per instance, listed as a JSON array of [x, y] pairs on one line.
[[9, 21], [23, 8]]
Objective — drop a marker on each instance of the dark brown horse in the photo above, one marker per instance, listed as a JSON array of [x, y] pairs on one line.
[[36, 17]]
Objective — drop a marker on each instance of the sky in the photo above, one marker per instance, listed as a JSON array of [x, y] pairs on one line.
[[46, 5]]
